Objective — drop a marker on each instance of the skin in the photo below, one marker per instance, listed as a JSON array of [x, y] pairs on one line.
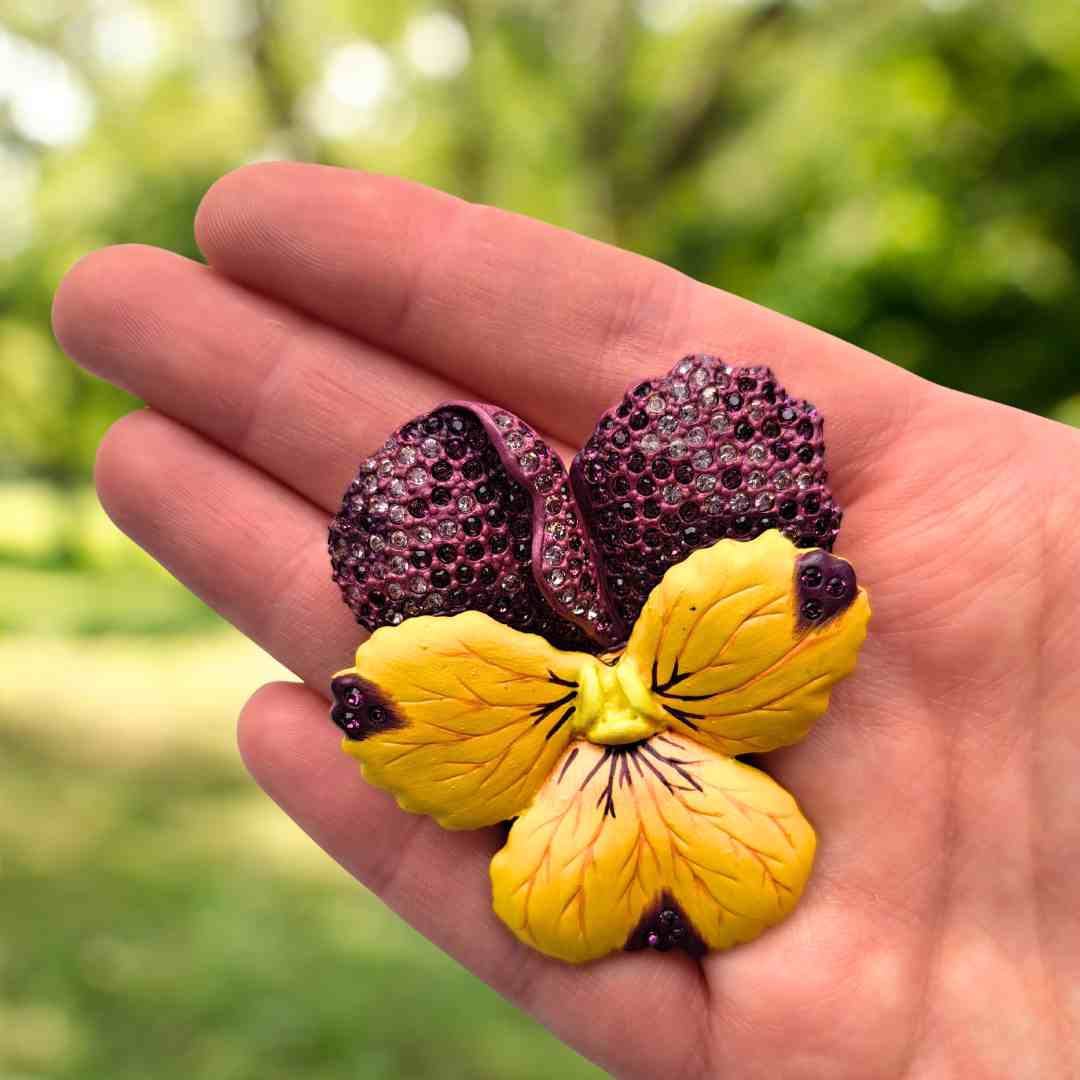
[[939, 934]]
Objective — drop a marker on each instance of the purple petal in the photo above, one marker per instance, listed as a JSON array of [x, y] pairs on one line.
[[467, 509], [706, 452]]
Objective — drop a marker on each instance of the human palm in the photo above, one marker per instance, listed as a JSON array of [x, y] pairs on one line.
[[938, 933]]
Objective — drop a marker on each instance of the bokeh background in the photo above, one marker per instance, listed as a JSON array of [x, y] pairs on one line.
[[904, 173]]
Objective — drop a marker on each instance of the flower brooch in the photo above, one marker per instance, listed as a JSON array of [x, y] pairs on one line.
[[587, 655]]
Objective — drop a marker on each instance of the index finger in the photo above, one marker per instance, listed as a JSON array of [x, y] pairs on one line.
[[555, 324]]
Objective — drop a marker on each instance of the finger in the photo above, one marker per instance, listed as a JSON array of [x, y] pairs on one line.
[[249, 547], [559, 323], [303, 401], [438, 881]]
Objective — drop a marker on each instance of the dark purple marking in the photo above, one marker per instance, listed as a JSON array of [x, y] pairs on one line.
[[825, 586], [665, 926], [360, 709]]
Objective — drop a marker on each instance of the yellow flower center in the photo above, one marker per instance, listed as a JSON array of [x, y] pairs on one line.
[[615, 704]]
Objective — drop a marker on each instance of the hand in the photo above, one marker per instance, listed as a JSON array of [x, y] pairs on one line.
[[939, 931]]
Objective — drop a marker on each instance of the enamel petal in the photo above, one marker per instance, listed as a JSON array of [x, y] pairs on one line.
[[657, 844], [742, 642], [461, 718]]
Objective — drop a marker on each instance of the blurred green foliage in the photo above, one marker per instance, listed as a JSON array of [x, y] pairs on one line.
[[903, 173]]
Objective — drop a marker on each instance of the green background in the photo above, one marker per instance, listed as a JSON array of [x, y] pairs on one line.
[[903, 174]]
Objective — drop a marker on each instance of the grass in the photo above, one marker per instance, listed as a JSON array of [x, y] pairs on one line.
[[161, 918]]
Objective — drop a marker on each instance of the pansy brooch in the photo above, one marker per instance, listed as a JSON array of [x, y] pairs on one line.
[[588, 655]]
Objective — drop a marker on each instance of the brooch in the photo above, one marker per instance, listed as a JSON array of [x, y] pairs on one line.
[[588, 655]]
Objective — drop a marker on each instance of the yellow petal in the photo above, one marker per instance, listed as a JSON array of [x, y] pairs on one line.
[[731, 650], [471, 716], [658, 843]]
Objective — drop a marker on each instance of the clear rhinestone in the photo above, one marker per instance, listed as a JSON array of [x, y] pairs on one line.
[[553, 505], [667, 424], [685, 367], [571, 519], [650, 442], [679, 391], [764, 501], [566, 597], [379, 506], [417, 477], [397, 514], [386, 467], [368, 465], [702, 459], [423, 535], [514, 441], [719, 423], [672, 493], [677, 449], [553, 554], [688, 413], [398, 565], [465, 503], [696, 436], [503, 422], [390, 445], [739, 503], [699, 378], [756, 452], [710, 396], [429, 448], [556, 578], [655, 405], [705, 482], [757, 413], [394, 591], [782, 479], [529, 462], [755, 480], [357, 551], [406, 456], [804, 480], [448, 529], [397, 487], [557, 530], [592, 614], [398, 539], [418, 585], [396, 618], [377, 543], [433, 602], [370, 484], [511, 583], [715, 505], [357, 503]]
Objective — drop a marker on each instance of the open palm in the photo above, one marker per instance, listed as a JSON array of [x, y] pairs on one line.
[[939, 930]]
